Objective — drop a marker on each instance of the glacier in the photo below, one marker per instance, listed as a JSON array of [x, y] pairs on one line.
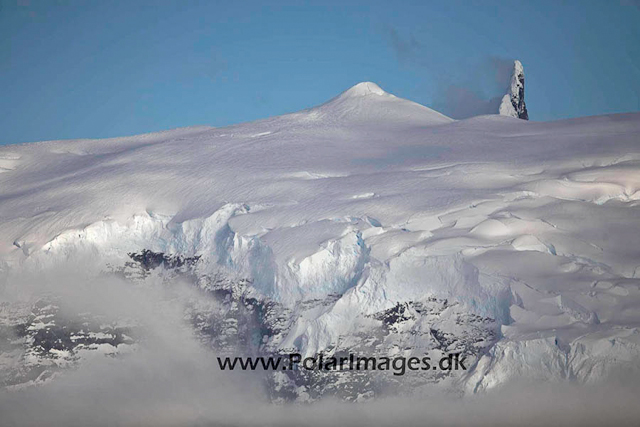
[[367, 223]]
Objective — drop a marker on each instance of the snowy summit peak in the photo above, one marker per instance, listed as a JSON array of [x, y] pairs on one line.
[[513, 104], [363, 89], [368, 102]]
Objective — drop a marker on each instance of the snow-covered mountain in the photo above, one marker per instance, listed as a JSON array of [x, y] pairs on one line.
[[512, 104], [369, 224]]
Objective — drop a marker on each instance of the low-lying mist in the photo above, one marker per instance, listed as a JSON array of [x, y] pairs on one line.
[[171, 379]]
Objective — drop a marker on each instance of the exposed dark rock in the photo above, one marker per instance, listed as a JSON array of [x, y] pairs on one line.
[[513, 104]]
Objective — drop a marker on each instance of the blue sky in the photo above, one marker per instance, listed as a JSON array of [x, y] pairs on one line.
[[93, 69]]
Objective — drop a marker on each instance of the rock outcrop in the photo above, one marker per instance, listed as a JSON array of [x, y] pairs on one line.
[[513, 104]]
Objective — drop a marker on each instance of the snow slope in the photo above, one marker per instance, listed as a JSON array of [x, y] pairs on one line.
[[373, 200]]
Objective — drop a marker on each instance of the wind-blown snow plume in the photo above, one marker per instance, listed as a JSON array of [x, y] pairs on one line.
[[475, 89]]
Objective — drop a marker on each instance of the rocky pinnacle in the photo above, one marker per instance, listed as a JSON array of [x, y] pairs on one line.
[[513, 104]]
